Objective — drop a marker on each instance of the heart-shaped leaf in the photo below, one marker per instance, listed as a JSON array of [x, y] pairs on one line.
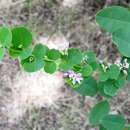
[[113, 18], [113, 122], [50, 67], [53, 54], [121, 38], [32, 65], [21, 37], [114, 71], [35, 61], [104, 76], [40, 51], [100, 110], [110, 89], [74, 56]]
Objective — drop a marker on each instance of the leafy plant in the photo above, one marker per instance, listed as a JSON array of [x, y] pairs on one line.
[[82, 70]]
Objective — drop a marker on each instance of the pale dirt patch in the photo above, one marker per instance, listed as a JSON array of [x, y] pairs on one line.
[[57, 41], [36, 89], [33, 90], [70, 3]]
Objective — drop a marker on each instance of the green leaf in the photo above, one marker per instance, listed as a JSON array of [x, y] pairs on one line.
[[102, 128], [104, 76], [121, 39], [32, 66], [5, 36], [110, 89], [114, 71], [94, 65], [50, 67], [25, 53], [113, 122], [120, 82], [127, 128], [65, 66], [53, 54], [87, 70], [21, 37], [101, 86], [90, 56], [14, 53], [88, 87], [100, 110], [2, 52], [112, 18], [74, 56], [40, 51], [128, 71]]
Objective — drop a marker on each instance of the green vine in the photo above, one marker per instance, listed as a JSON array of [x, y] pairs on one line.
[[82, 70]]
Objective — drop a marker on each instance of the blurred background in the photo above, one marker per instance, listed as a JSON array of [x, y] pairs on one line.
[[39, 101]]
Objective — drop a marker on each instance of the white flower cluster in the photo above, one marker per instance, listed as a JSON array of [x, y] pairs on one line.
[[104, 67], [123, 65]]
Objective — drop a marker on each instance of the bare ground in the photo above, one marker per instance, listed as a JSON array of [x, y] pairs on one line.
[[46, 111]]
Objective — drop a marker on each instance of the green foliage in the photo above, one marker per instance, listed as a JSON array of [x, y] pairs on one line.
[[113, 122], [5, 36], [53, 54], [64, 65], [40, 51], [104, 76], [74, 56], [109, 88], [114, 72], [121, 39], [112, 18], [25, 53], [88, 87], [21, 38], [87, 70], [89, 56], [2, 51], [34, 61], [50, 67], [91, 59], [120, 82], [100, 110], [102, 128], [127, 128], [31, 64]]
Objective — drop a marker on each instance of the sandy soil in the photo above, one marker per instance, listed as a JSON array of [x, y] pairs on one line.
[[28, 101]]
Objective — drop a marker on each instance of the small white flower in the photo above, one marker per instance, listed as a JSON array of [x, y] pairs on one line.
[[85, 58], [100, 61], [109, 64], [125, 72], [126, 64], [117, 61]]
